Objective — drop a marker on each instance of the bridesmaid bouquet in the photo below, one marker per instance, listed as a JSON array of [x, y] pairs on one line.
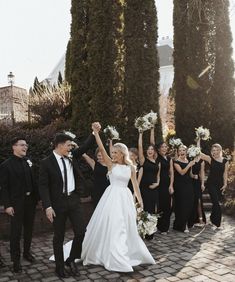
[[152, 118], [203, 133], [111, 133], [146, 223], [193, 151], [175, 142], [142, 124]]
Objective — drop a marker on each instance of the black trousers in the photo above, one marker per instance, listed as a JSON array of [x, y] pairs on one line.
[[23, 219], [71, 209]]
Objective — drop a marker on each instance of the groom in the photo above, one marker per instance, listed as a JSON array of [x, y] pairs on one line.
[[58, 181]]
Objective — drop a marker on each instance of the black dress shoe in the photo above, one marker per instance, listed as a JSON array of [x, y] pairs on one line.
[[17, 268], [29, 257], [61, 273], [72, 267]]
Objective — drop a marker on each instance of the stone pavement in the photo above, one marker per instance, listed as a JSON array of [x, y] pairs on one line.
[[201, 255]]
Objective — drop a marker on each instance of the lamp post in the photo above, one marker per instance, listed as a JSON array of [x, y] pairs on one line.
[[11, 81], [11, 78]]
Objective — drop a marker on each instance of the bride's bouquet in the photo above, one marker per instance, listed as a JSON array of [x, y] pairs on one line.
[[175, 142], [203, 133], [193, 152], [146, 223], [111, 133]]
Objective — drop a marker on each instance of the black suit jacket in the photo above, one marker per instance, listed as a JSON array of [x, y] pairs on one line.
[[50, 177], [12, 190]]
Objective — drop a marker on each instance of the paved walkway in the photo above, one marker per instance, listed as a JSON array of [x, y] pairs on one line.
[[201, 255]]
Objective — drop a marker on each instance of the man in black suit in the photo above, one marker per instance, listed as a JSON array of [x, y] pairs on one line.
[[58, 182], [20, 196]]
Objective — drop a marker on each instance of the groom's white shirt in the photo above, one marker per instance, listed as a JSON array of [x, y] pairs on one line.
[[69, 167]]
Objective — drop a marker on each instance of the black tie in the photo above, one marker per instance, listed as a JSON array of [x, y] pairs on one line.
[[65, 177]]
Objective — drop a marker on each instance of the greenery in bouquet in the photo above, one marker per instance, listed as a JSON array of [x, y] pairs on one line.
[[111, 133], [203, 133], [152, 118], [142, 124], [193, 152], [175, 142], [146, 222]]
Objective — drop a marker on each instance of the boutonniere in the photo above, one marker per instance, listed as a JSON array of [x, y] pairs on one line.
[[29, 163]]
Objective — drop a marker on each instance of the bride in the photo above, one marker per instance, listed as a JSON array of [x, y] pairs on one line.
[[112, 238]]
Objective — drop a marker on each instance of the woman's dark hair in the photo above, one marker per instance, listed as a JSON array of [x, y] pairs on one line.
[[16, 139], [61, 138], [152, 145], [159, 145]]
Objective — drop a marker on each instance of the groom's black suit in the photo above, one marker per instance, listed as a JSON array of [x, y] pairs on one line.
[[51, 192]]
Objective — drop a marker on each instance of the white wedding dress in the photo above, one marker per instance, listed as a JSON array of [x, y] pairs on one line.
[[112, 238]]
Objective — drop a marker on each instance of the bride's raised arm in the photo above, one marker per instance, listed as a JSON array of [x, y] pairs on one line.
[[107, 159]]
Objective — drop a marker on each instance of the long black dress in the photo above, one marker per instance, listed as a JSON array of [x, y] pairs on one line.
[[150, 196], [183, 193], [101, 182], [215, 182], [164, 195], [197, 194]]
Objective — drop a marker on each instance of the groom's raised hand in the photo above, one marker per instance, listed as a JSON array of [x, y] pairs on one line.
[[96, 126], [50, 213]]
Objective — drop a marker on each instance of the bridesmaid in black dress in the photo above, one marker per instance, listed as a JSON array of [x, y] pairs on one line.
[[100, 171], [165, 188], [198, 176], [216, 182], [183, 190], [150, 177]]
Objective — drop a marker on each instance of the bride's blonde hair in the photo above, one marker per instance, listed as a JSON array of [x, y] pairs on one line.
[[124, 150]]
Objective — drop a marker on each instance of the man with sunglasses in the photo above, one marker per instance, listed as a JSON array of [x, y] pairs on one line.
[[20, 196]]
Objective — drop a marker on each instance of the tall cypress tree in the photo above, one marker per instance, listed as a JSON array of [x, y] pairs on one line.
[[141, 63], [76, 66], [101, 59], [223, 104], [193, 52], [199, 41]]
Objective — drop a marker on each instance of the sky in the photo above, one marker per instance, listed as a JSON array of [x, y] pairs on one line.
[[34, 36]]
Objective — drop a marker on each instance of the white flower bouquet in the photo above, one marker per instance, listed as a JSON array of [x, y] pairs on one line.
[[193, 152], [111, 133], [175, 142], [142, 124], [152, 118], [146, 223], [203, 133]]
